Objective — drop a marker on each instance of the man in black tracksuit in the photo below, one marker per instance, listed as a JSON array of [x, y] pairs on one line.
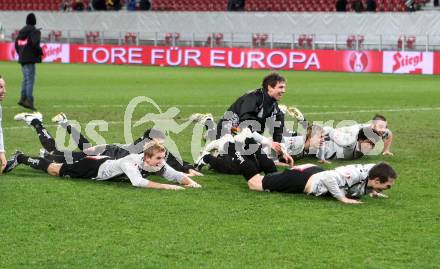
[[257, 109], [27, 45]]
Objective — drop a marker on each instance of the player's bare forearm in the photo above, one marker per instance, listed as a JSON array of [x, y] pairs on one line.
[[387, 145], [346, 200], [189, 183], [155, 185]]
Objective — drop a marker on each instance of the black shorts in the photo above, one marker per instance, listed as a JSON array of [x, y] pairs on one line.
[[115, 152], [85, 168], [290, 181], [64, 156]]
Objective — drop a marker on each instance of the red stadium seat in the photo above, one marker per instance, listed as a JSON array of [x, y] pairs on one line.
[[410, 42]]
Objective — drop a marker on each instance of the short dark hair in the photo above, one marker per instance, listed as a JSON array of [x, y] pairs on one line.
[[271, 80], [31, 19], [379, 117], [383, 171], [372, 137]]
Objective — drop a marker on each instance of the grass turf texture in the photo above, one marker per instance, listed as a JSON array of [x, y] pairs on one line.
[[47, 222]]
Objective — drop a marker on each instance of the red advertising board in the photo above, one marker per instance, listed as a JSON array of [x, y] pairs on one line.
[[245, 58], [437, 63], [52, 52], [312, 60]]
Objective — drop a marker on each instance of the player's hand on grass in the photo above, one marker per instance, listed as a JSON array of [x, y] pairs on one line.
[[173, 187], [194, 185], [346, 200], [3, 161], [387, 153], [189, 183], [276, 147], [289, 160], [376, 194], [193, 173]]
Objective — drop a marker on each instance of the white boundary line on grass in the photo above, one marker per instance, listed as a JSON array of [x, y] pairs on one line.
[[188, 105], [420, 109]]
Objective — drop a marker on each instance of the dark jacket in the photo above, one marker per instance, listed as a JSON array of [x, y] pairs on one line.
[[341, 5], [259, 106], [27, 45]]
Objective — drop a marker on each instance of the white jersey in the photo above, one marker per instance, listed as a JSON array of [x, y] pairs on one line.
[[292, 145], [132, 165], [340, 143], [339, 180]]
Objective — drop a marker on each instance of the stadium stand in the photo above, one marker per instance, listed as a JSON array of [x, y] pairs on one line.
[[214, 39], [54, 36], [171, 38], [259, 39], [408, 41], [92, 37], [214, 5], [130, 38]]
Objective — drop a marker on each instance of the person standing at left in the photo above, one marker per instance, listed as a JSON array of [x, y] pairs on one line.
[[2, 145], [27, 45]]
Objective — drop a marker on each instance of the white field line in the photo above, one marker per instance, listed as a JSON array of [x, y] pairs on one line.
[[189, 105], [418, 109], [376, 110]]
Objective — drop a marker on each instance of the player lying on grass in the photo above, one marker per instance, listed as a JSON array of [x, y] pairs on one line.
[[224, 163], [215, 153], [113, 151], [325, 143], [151, 161], [348, 137], [344, 183], [316, 142]]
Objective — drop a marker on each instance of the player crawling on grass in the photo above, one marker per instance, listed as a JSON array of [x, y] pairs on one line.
[[346, 141], [113, 151], [151, 161], [345, 183]]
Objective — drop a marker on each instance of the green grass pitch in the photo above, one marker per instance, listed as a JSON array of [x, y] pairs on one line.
[[48, 222]]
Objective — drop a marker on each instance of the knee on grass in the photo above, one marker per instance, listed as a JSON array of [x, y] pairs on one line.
[[256, 183]]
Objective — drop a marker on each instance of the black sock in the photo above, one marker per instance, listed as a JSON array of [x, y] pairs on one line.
[[246, 163], [34, 162], [79, 139], [46, 139], [207, 158]]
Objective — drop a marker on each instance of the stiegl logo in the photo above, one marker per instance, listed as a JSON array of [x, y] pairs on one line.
[[407, 60]]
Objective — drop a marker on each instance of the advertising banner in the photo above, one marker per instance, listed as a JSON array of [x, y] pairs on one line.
[[52, 52], [245, 58], [408, 62]]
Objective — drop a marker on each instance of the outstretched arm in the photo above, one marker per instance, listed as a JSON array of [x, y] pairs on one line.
[[331, 183], [172, 175], [387, 145], [155, 185], [137, 180]]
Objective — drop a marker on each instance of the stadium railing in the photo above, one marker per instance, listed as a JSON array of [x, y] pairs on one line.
[[353, 41]]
